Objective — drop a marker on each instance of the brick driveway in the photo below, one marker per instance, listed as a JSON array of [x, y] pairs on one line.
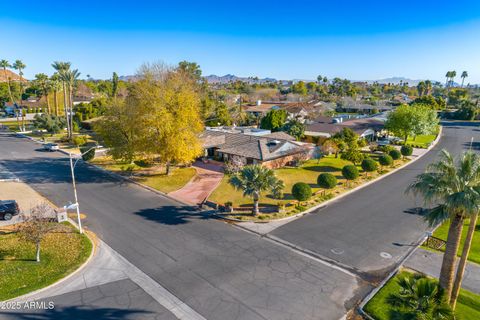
[[208, 177]]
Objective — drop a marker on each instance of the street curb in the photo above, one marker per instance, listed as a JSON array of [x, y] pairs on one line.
[[137, 183], [112, 173], [326, 203], [75, 272]]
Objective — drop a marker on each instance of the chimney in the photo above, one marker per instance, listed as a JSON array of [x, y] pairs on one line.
[[259, 102]]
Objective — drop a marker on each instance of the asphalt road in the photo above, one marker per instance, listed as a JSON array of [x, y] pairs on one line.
[[218, 270], [376, 221]]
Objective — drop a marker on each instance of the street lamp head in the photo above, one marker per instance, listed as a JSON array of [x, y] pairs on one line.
[[70, 206]]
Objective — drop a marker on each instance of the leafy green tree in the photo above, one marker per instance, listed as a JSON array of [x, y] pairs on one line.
[[295, 128], [114, 84], [4, 64], [420, 298], [253, 180], [369, 165], [299, 88], [191, 69], [49, 122], [301, 191], [274, 120], [415, 120], [42, 80], [350, 172], [467, 111], [453, 187], [457, 96], [326, 181]]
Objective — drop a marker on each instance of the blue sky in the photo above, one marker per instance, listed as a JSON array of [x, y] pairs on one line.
[[285, 40]]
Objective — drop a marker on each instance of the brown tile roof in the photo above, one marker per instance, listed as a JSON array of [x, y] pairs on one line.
[[280, 135], [256, 147]]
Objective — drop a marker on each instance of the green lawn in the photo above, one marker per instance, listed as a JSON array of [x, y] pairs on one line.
[[176, 180], [13, 125], [62, 252], [423, 140], [474, 255], [468, 304], [307, 173], [151, 175]]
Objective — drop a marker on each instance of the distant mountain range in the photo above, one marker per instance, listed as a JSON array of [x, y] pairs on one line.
[[232, 78]]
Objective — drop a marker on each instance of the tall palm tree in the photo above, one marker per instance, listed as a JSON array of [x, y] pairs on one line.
[[56, 87], [452, 77], [420, 298], [62, 68], [20, 66], [253, 180], [463, 76], [70, 77], [454, 187], [43, 82], [447, 77], [4, 64]]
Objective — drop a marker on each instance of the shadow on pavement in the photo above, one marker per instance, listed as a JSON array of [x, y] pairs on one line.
[[77, 313], [171, 215], [55, 170]]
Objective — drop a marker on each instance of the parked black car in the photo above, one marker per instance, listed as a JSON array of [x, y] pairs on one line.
[[8, 209]]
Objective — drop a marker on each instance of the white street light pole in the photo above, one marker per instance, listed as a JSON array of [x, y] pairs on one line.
[[72, 167]]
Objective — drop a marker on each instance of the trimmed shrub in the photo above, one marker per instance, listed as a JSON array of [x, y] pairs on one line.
[[350, 172], [87, 155], [395, 154], [369, 165], [326, 180], [301, 191], [385, 160], [406, 150]]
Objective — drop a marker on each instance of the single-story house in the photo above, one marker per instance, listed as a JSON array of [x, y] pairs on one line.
[[326, 127], [272, 150]]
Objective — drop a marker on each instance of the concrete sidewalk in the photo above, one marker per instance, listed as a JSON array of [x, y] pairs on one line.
[[429, 262], [109, 278]]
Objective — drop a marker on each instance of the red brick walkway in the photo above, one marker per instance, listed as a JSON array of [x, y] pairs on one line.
[[208, 177]]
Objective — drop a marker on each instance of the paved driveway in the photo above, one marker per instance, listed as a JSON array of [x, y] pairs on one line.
[[372, 229], [198, 189], [216, 269]]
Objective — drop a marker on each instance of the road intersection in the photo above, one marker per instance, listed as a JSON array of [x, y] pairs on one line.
[[316, 267]]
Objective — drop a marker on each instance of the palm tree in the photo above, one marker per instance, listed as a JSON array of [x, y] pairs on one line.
[[20, 66], [70, 77], [454, 188], [44, 83], [4, 65], [463, 76], [62, 68], [253, 180], [447, 77], [452, 77], [421, 298], [56, 87], [428, 87]]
